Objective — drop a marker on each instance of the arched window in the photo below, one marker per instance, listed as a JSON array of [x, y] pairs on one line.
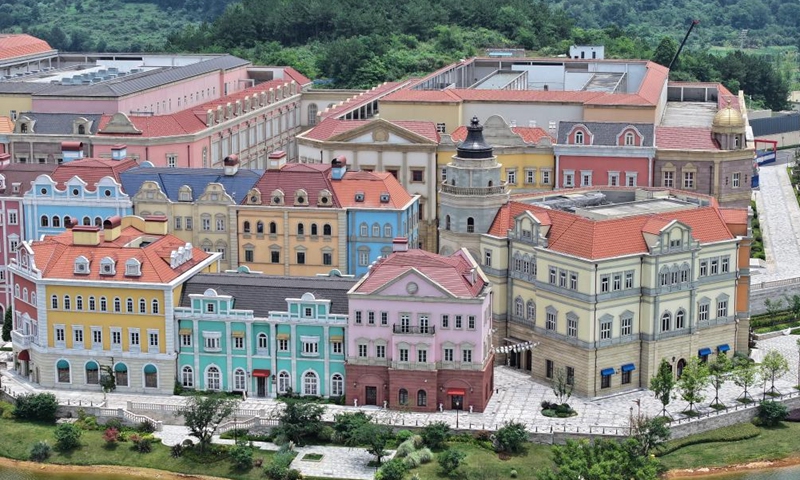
[[337, 385], [67, 303], [310, 384], [314, 230], [239, 380], [213, 378], [150, 376], [33, 298], [63, 371], [284, 382], [117, 305], [519, 307], [273, 228], [470, 225], [187, 377], [81, 129], [260, 227], [402, 396], [129, 305], [92, 304], [92, 373], [246, 227], [363, 230], [680, 319], [142, 305], [301, 229], [67, 221], [54, 302], [87, 221], [531, 310], [681, 366], [45, 221], [666, 320], [422, 398], [326, 230], [154, 306], [56, 221], [79, 302], [103, 304], [16, 291], [98, 222], [312, 114], [262, 341], [579, 137], [121, 375], [630, 139], [387, 230]]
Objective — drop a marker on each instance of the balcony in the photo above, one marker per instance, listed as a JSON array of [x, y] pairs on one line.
[[476, 191], [20, 340], [409, 330]]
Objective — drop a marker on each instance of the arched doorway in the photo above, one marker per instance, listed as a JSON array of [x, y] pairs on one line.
[[681, 366]]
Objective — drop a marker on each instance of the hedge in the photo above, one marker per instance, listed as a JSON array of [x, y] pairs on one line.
[[734, 433]]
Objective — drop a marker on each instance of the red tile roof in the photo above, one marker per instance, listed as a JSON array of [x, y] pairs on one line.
[[24, 174], [6, 125], [311, 177], [685, 138], [528, 134], [298, 77], [55, 257], [408, 95], [734, 215], [21, 45], [372, 185], [91, 170], [573, 234], [453, 273], [331, 127]]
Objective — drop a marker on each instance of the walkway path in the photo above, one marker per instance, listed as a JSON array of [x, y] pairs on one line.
[[779, 215]]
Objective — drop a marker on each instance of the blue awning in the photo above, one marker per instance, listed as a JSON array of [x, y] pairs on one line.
[[628, 367], [703, 352], [606, 372], [723, 348]]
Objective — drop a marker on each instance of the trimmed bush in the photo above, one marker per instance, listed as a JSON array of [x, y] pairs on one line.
[[450, 460], [68, 437], [425, 455], [114, 423], [111, 437], [394, 469], [771, 413], [403, 435], [511, 437], [436, 434], [417, 441], [141, 443], [6, 410], [40, 407], [146, 426], [734, 433], [40, 452], [242, 457], [405, 448]]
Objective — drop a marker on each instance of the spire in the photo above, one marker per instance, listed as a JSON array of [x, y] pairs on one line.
[[474, 146]]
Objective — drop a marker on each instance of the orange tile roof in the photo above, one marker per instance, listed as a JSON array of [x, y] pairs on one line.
[[311, 177], [573, 234], [453, 272], [91, 170], [55, 257], [372, 185], [21, 45], [528, 134], [6, 125], [685, 138], [298, 77], [734, 215]]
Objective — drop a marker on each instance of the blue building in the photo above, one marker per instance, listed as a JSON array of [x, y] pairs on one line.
[[378, 210], [263, 335], [85, 191]]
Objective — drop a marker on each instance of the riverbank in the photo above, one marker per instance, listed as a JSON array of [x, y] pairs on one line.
[[100, 470], [711, 472]]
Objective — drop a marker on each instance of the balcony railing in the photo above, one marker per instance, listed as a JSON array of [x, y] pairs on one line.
[[21, 340], [416, 330], [479, 191]]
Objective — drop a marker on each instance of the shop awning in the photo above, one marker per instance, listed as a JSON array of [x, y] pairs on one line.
[[92, 365], [24, 356], [120, 367], [185, 331], [62, 364], [283, 336], [456, 391], [259, 372], [237, 334], [628, 367], [150, 368], [723, 348], [703, 352], [336, 338], [606, 372]]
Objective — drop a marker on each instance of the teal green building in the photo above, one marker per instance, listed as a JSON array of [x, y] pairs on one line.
[[263, 335]]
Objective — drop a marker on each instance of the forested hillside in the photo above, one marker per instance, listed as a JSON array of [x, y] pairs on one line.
[[355, 43]]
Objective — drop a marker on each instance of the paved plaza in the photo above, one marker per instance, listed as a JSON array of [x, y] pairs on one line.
[[779, 215]]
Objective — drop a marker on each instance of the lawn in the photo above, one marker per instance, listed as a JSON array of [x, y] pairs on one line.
[[772, 444], [484, 464], [93, 452]]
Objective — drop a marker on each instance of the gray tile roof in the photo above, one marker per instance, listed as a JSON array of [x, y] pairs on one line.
[[22, 87], [172, 179], [60, 123], [139, 82], [605, 133], [263, 293]]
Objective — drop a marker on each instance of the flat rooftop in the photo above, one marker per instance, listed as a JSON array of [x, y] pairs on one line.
[[689, 114], [642, 207]]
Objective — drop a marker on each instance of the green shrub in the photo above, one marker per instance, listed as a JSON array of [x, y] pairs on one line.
[[417, 441], [278, 468], [6, 410], [511, 437], [40, 407], [450, 460], [734, 433], [141, 443], [115, 423], [326, 434], [394, 469], [771, 413], [235, 433], [405, 448], [88, 423], [346, 425], [146, 426], [513, 473], [68, 436], [242, 457], [412, 460], [425, 455], [403, 435], [40, 452], [176, 451], [435, 434]]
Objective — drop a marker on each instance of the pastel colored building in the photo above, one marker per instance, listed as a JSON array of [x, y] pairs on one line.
[[291, 223], [20, 56], [604, 153], [15, 180], [263, 335], [90, 300], [85, 192], [420, 333], [378, 210], [196, 201]]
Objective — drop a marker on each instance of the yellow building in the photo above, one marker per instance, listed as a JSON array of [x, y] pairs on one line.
[[92, 300], [290, 223]]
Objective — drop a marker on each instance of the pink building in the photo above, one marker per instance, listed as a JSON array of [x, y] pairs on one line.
[[419, 333]]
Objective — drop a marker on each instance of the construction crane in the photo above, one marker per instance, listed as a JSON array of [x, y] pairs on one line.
[[675, 58]]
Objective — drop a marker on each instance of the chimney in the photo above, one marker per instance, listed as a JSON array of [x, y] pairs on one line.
[[400, 244], [231, 165], [228, 111], [546, 87], [156, 224], [276, 160], [532, 123], [119, 152], [338, 167], [210, 118], [220, 114], [71, 151], [112, 228], [86, 235]]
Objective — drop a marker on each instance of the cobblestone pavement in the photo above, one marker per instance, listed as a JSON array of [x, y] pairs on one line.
[[779, 215], [337, 462]]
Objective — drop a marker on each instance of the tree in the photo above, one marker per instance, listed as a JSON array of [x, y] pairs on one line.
[[662, 384], [649, 433], [511, 437], [346, 425], [300, 420], [394, 469], [600, 460], [771, 413], [665, 51], [562, 388], [450, 460], [744, 376], [375, 437], [435, 434], [40, 407], [7, 325], [719, 371], [773, 365], [694, 379], [203, 415], [793, 302], [68, 437]]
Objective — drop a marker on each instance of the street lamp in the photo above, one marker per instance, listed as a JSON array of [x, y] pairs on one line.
[[458, 407]]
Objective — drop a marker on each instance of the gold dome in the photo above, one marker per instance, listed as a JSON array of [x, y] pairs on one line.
[[728, 120]]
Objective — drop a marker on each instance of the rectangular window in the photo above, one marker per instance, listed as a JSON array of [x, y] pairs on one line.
[[301, 258], [562, 278], [77, 336], [422, 356], [212, 344], [471, 322], [205, 224], [569, 179], [617, 281], [545, 177], [116, 338], [530, 176], [548, 365], [417, 175], [362, 351], [380, 351], [725, 264], [134, 338], [668, 179], [448, 354], [186, 340], [238, 343], [358, 317], [550, 321], [178, 223], [688, 180], [572, 327], [327, 258], [60, 336], [310, 348], [629, 279], [487, 258], [172, 161], [552, 277], [466, 356], [445, 321], [570, 376], [275, 256], [384, 318], [97, 338], [722, 308], [630, 179], [613, 179], [573, 280], [12, 217], [604, 283], [626, 327], [403, 354], [283, 345], [188, 223], [605, 381], [714, 266], [586, 179], [336, 348], [444, 175], [605, 330], [736, 181], [703, 312], [458, 321], [371, 318], [703, 268], [511, 176]]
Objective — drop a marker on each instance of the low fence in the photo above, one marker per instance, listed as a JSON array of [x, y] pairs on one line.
[[248, 424]]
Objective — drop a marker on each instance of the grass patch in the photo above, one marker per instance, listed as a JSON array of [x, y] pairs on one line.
[[726, 434], [770, 444], [312, 457], [549, 412], [485, 461]]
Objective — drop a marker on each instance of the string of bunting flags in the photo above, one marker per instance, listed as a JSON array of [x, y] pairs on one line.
[[520, 347]]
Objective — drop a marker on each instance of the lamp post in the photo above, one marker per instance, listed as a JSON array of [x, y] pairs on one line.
[[458, 407]]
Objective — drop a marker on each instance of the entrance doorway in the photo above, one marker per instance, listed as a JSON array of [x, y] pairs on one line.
[[528, 360], [457, 402], [372, 396], [261, 387], [681, 366]]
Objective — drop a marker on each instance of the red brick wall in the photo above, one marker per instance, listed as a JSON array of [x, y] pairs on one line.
[[359, 377]]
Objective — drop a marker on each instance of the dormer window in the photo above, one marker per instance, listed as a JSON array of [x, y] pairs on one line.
[[277, 197], [185, 194], [15, 187], [107, 266], [133, 268], [23, 127], [359, 196], [81, 266], [300, 197], [385, 197], [324, 199], [579, 138], [630, 139]]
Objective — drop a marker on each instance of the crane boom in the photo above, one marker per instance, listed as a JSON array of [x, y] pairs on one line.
[[675, 58]]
